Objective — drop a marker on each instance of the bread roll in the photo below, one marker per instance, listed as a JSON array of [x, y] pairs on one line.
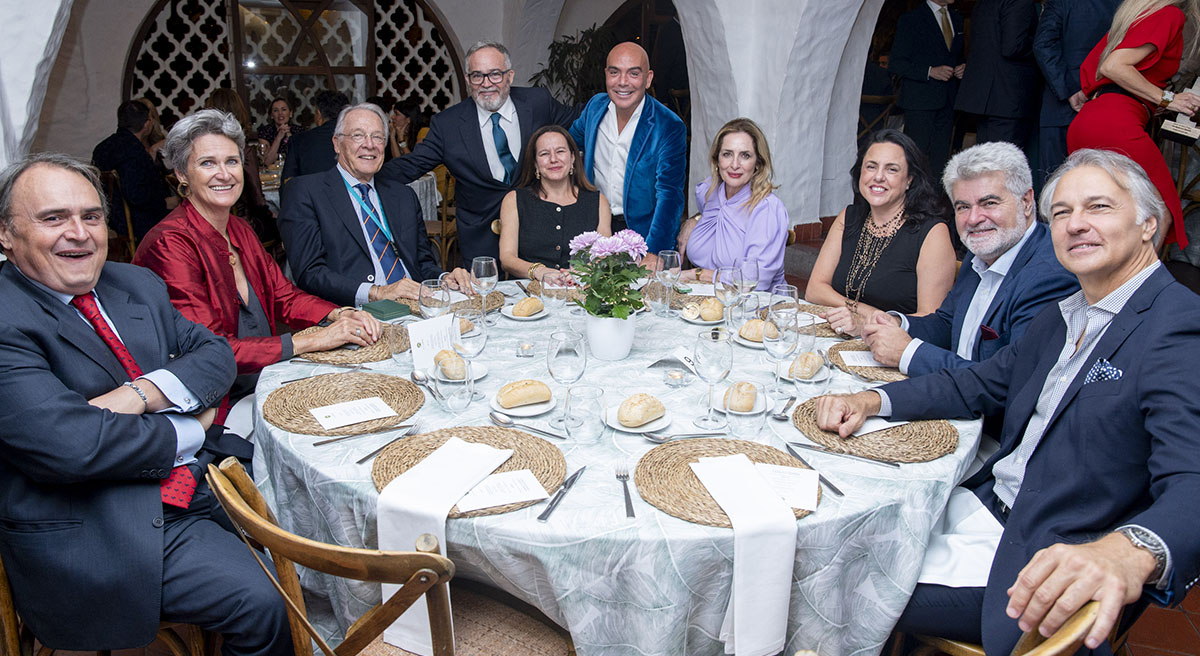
[[640, 409], [806, 365], [691, 311], [711, 309], [523, 392], [754, 329], [527, 307], [465, 326], [740, 397], [452, 365]]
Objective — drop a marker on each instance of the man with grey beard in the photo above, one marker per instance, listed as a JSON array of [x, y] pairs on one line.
[[481, 141]]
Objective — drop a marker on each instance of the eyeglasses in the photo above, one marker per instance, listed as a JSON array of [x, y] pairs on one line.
[[495, 77], [359, 137]]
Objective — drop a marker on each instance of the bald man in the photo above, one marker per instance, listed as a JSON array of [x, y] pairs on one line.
[[635, 150]]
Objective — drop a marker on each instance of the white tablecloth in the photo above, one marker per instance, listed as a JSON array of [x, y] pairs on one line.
[[652, 585]]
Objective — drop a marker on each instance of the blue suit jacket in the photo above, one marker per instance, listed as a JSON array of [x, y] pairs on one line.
[[321, 228], [81, 514], [1034, 279], [1113, 452], [1002, 77], [1066, 33], [919, 46], [655, 173]]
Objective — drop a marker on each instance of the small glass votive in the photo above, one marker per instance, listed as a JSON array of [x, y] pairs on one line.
[[675, 377], [525, 350]]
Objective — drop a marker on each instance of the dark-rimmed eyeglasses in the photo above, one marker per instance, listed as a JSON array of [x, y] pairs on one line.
[[495, 77]]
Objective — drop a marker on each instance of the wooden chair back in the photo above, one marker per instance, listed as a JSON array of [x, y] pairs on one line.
[[119, 210], [13, 641], [866, 127], [1066, 640], [423, 572]]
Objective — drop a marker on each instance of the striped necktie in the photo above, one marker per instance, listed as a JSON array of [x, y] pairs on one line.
[[393, 268]]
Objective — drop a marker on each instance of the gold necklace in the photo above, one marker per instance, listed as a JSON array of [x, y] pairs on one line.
[[867, 252]]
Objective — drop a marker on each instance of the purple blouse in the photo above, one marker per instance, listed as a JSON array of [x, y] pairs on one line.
[[727, 232]]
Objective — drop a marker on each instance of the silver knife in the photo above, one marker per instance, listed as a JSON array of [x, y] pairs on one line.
[[522, 288], [562, 491], [824, 481], [821, 449]]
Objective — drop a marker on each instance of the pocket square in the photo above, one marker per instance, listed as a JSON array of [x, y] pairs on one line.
[[988, 333], [1102, 370]]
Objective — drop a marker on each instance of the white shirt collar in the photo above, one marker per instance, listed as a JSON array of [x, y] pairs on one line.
[[351, 180], [65, 298], [1004, 262], [611, 115], [937, 9], [507, 111]]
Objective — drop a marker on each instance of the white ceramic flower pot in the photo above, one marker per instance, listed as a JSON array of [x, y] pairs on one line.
[[609, 338]]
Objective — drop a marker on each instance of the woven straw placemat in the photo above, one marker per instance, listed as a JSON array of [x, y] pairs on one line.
[[376, 352], [666, 482], [494, 300], [877, 374], [917, 441], [529, 452], [822, 329], [288, 407]]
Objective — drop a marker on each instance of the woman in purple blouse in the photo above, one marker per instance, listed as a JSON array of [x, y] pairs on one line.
[[739, 216]]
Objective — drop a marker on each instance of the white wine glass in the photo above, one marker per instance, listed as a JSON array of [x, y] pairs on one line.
[[471, 342], [487, 275], [667, 271], [749, 269], [780, 338], [727, 283], [713, 360], [566, 358], [433, 299]]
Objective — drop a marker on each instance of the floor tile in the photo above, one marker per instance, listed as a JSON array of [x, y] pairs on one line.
[[1165, 629]]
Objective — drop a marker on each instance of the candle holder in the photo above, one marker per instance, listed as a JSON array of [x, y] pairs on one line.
[[525, 350], [675, 377]]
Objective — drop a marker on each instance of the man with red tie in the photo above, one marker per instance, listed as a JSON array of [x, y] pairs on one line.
[[106, 396]]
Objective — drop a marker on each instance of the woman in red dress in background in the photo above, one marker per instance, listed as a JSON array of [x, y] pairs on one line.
[[1123, 81]]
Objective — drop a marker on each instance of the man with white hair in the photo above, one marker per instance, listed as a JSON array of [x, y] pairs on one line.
[[481, 142], [1091, 495]]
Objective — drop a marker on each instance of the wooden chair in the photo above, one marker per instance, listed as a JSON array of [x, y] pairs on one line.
[[1066, 640], [867, 126], [120, 211]]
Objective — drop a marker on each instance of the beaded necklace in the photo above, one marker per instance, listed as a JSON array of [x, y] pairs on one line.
[[866, 255]]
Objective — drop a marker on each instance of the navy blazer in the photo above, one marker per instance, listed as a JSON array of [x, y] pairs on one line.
[[322, 230], [142, 184], [1002, 78], [655, 173], [1113, 452], [1066, 33], [81, 514], [1034, 279], [919, 46], [310, 151]]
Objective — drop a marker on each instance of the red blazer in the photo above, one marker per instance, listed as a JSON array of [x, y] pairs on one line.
[[193, 259]]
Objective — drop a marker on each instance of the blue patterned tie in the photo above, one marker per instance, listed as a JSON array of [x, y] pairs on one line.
[[393, 268], [506, 158]]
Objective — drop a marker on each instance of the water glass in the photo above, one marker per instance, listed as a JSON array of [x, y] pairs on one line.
[[566, 358], [555, 289], [587, 405], [727, 284], [433, 299], [457, 398], [487, 275], [667, 271], [398, 344], [471, 343], [784, 295], [745, 309], [748, 425], [713, 359], [807, 388], [658, 297], [749, 270], [780, 344]]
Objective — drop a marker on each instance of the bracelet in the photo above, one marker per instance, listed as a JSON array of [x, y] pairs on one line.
[[346, 308], [145, 401], [533, 268]]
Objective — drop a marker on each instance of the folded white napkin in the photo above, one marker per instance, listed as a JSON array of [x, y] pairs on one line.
[[417, 502], [764, 553]]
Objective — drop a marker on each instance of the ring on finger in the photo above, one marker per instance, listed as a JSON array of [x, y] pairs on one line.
[[357, 332]]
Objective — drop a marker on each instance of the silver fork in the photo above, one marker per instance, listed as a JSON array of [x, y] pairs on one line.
[[411, 429], [623, 476]]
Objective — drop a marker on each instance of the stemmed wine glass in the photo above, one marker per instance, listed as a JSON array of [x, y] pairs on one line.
[[555, 289], [470, 344], [433, 299], [727, 283], [713, 360], [780, 343], [749, 269], [566, 359], [667, 272], [486, 276]]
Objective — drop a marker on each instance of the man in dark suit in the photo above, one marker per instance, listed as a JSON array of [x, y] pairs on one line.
[[1092, 492], [928, 55], [1001, 82], [353, 237], [1066, 33], [106, 394], [309, 151], [481, 141], [142, 185]]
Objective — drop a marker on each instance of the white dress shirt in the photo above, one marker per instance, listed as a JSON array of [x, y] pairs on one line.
[[362, 295], [612, 155], [512, 131]]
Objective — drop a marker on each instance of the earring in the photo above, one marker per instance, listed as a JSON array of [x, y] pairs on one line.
[[538, 174], [571, 171], [183, 189]]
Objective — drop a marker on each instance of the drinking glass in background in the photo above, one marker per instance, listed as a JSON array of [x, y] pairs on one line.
[[780, 344], [457, 398], [749, 270], [745, 309], [566, 358], [433, 299], [657, 296], [470, 343], [487, 275], [667, 271], [555, 289], [748, 425], [398, 345], [807, 388], [587, 405], [727, 283], [784, 294], [713, 359]]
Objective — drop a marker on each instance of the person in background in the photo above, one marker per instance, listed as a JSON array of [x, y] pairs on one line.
[[740, 216], [1001, 81], [310, 151], [252, 199], [275, 135], [142, 186]]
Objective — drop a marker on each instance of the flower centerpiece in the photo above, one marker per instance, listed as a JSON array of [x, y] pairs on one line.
[[608, 268]]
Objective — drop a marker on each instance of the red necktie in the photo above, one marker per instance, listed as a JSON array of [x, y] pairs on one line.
[[180, 486]]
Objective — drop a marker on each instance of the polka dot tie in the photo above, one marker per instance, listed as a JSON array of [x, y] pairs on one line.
[[180, 486]]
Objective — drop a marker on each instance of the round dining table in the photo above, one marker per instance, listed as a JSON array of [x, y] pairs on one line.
[[652, 584]]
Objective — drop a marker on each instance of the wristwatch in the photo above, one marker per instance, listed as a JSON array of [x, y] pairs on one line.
[[1167, 97], [1143, 539]]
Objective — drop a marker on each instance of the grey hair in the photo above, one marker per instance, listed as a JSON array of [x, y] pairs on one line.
[[480, 45], [990, 157], [1128, 175], [11, 173], [178, 147], [370, 107]]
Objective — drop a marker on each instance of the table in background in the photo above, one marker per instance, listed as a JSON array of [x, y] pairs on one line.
[[653, 584], [425, 187]]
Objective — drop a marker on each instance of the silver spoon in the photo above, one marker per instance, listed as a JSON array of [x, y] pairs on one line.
[[782, 415], [659, 438], [421, 379], [501, 419]]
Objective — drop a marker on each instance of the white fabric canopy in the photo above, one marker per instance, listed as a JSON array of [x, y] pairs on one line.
[[32, 35]]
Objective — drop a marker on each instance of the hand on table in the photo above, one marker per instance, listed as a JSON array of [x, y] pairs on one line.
[[349, 328], [845, 322], [1061, 578], [461, 280], [403, 288], [886, 339], [845, 413]]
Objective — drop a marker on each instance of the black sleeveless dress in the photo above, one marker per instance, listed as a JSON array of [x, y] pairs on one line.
[[893, 283], [547, 228]]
